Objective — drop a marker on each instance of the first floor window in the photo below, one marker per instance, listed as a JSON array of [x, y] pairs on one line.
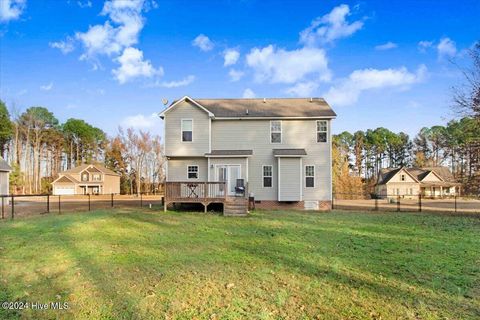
[[267, 176], [310, 176], [322, 130], [276, 131], [192, 172], [187, 130]]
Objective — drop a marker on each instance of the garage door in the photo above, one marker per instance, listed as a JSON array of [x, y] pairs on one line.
[[63, 190]]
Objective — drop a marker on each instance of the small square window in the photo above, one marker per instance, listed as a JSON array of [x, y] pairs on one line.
[[192, 172]]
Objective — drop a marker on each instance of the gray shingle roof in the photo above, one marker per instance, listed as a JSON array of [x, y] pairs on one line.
[[84, 166], [418, 173], [230, 153], [278, 107], [289, 152], [4, 165]]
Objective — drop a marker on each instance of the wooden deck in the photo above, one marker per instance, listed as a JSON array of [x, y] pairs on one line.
[[200, 192]]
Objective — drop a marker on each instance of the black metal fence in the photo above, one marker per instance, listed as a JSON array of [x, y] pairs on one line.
[[13, 206], [412, 203]]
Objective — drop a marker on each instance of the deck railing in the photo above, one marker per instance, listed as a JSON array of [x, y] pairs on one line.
[[195, 191]]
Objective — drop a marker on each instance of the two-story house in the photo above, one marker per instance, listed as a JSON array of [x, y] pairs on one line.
[[279, 148], [87, 179]]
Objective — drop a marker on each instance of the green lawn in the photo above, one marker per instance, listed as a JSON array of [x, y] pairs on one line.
[[271, 265]]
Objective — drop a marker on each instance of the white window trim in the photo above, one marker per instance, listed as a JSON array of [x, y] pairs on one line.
[[198, 171], [314, 175], [281, 132], [264, 176], [181, 129], [317, 131]]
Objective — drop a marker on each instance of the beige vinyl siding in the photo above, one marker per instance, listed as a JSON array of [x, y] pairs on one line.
[[431, 177], [255, 135], [398, 177], [218, 161], [289, 183], [174, 146], [4, 183], [111, 184], [403, 188], [177, 169]]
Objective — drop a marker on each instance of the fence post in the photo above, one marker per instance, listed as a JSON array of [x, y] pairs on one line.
[[333, 197], [59, 205], [376, 203], [398, 203], [48, 203], [111, 201], [89, 208], [455, 203], [420, 202], [13, 206], [141, 200], [3, 207]]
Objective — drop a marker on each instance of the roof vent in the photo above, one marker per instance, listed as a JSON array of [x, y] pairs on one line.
[[264, 100], [246, 111]]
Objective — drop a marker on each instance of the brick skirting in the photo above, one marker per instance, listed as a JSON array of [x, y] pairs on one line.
[[300, 205]]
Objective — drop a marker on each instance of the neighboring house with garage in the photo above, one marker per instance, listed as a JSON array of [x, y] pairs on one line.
[[279, 150], [431, 182], [5, 170], [87, 179]]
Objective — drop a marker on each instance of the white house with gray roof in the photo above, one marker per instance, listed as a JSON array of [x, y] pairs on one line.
[[280, 149]]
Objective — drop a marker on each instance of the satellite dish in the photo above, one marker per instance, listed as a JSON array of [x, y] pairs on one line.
[[164, 101]]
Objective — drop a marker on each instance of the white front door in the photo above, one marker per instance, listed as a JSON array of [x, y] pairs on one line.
[[229, 173]]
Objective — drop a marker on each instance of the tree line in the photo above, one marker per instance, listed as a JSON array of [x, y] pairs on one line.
[[38, 147], [359, 156]]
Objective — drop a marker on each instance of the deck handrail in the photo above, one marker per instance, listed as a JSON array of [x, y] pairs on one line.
[[195, 190]]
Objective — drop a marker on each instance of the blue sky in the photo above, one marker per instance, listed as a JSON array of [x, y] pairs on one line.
[[378, 63]]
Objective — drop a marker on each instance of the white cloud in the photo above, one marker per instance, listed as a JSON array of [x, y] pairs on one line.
[[64, 46], [281, 66], [386, 46], [121, 30], [348, 91], [446, 48], [47, 87], [181, 83], [230, 56], [141, 121], [132, 65], [11, 9], [84, 4], [424, 45], [235, 75], [330, 27], [248, 94], [203, 43], [303, 89]]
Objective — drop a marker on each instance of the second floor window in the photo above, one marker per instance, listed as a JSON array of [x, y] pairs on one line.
[[275, 131], [96, 177], [267, 176], [322, 130], [85, 177], [187, 130]]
